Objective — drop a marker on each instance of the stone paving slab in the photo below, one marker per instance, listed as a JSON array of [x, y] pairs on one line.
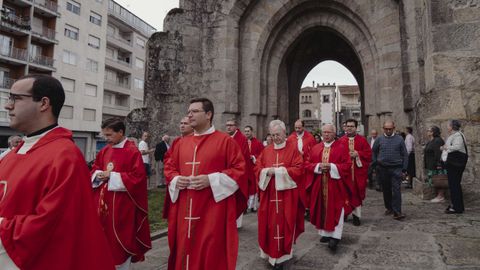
[[426, 239]]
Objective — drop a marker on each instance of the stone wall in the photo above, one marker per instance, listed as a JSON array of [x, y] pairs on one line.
[[416, 61]]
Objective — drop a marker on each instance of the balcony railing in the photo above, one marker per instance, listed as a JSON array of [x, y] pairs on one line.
[[118, 84], [14, 21], [50, 5], [44, 32], [127, 64], [12, 52], [119, 38], [42, 60], [6, 83]]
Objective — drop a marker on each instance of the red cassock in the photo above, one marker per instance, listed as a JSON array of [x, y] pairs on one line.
[[125, 220], [243, 143], [203, 233], [281, 212], [328, 196], [50, 221], [308, 141], [167, 200], [357, 184]]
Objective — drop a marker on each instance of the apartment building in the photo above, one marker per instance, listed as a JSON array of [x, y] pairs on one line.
[[317, 105], [96, 48]]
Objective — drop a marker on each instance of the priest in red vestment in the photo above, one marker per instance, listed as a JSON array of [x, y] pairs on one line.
[[328, 166], [208, 191], [256, 148], [302, 138], [361, 156], [280, 216], [237, 135], [120, 192], [47, 218]]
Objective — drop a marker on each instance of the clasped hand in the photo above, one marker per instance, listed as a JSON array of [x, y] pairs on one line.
[[325, 167], [193, 182], [103, 176]]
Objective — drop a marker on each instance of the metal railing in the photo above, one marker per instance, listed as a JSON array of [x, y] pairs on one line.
[[118, 84], [12, 52], [50, 5], [7, 82], [127, 64], [44, 32], [15, 21], [42, 60]]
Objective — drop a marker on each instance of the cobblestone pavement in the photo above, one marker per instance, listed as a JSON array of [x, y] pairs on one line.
[[426, 239]]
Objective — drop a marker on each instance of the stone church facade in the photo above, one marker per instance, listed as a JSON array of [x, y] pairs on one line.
[[416, 62]]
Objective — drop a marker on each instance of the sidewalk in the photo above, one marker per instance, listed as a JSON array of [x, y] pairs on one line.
[[426, 239]]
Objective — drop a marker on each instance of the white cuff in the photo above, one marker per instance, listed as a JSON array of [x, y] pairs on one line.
[[358, 162], [115, 183], [334, 174], [222, 186], [96, 182], [254, 159], [264, 179], [173, 190], [5, 260], [283, 181], [317, 169]]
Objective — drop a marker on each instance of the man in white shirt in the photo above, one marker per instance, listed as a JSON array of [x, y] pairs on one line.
[[145, 151]]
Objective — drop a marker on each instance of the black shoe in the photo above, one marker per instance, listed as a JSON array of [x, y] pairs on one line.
[[278, 267], [356, 220], [333, 243], [345, 218], [388, 212], [398, 216], [253, 210], [307, 214], [452, 211], [324, 239]]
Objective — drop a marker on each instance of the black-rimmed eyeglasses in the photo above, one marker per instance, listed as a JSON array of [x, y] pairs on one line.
[[14, 97]]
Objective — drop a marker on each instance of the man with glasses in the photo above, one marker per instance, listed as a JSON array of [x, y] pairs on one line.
[[327, 168], [47, 216], [361, 156], [390, 158], [207, 186]]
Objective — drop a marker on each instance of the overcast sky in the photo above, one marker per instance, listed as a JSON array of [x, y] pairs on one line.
[[154, 11]]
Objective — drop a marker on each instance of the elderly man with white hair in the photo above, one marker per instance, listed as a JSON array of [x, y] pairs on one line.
[[327, 167], [279, 170], [13, 141]]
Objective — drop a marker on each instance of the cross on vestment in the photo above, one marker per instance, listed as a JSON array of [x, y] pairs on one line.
[[276, 165], [278, 237], [193, 162]]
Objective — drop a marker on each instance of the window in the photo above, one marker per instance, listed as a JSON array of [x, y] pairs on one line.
[[110, 30], [140, 42], [139, 63], [71, 32], [95, 18], [93, 42], [90, 90], [89, 114], [66, 112], [326, 98], [73, 7], [68, 84], [122, 100], [137, 103], [69, 57], [307, 113], [92, 65], [6, 43], [108, 98], [110, 53], [138, 83], [3, 102]]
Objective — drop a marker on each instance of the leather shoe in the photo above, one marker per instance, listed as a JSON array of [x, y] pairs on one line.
[[324, 239], [332, 244], [388, 212], [452, 211], [356, 220], [398, 216]]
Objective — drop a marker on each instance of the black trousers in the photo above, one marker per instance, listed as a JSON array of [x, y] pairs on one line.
[[454, 184], [391, 179]]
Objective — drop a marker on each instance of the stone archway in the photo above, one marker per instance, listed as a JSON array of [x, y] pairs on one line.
[[415, 61]]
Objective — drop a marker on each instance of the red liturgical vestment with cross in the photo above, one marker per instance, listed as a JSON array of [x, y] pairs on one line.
[[281, 212], [202, 230]]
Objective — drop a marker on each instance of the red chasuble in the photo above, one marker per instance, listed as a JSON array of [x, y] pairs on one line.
[[281, 213], [328, 196], [357, 184], [308, 141], [243, 143], [256, 147], [50, 221], [202, 233], [125, 218]]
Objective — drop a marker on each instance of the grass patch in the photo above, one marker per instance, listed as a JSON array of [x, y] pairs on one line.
[[156, 198]]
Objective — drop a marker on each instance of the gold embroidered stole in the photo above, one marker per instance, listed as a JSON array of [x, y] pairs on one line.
[[325, 158]]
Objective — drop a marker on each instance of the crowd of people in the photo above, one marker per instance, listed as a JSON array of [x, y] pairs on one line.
[[55, 213]]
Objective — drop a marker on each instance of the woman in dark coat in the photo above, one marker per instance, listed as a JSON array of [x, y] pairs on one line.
[[432, 159]]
